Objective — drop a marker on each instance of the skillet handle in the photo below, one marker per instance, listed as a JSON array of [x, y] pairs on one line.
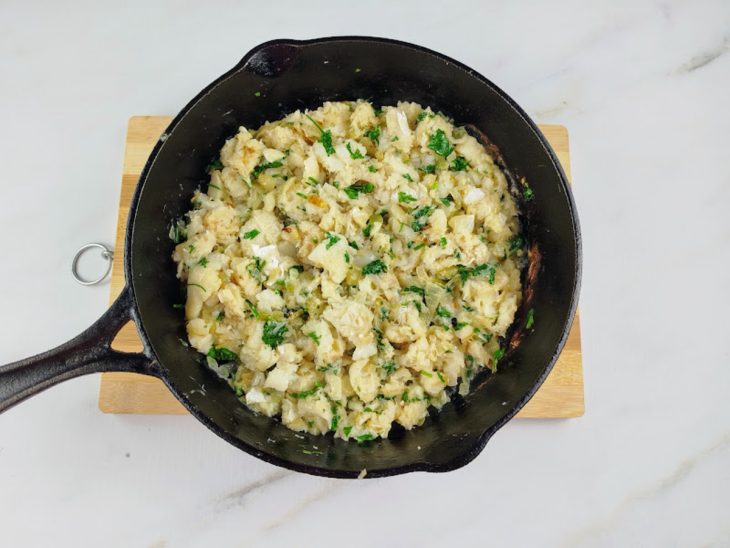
[[89, 352]]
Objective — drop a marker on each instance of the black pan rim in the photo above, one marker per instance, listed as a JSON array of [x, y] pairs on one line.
[[482, 440]]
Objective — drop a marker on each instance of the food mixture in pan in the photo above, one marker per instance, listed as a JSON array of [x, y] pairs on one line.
[[353, 266]]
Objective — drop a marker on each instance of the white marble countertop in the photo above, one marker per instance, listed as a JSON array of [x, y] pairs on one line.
[[642, 87]]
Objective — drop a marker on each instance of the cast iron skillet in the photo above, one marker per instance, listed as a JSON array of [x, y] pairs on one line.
[[272, 80]]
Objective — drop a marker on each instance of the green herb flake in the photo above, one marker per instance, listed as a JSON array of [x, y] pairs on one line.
[[443, 312], [373, 134], [407, 177], [346, 430], [530, 318], [311, 181], [459, 164], [448, 200], [486, 269], [365, 438], [420, 218], [353, 245], [528, 194], [332, 239], [347, 257], [439, 143], [443, 241], [372, 169], [367, 230], [361, 187], [430, 168], [516, 243], [414, 289], [325, 137], [214, 165], [389, 366], [252, 309], [220, 316], [421, 116], [384, 313], [274, 333], [419, 246], [178, 232], [307, 393], [251, 234], [178, 306], [259, 169], [222, 354], [257, 94], [203, 262], [404, 198], [354, 154], [441, 377], [458, 326], [496, 356], [316, 338], [426, 373], [374, 267]]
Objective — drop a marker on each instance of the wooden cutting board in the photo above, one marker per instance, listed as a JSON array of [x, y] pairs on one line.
[[561, 395]]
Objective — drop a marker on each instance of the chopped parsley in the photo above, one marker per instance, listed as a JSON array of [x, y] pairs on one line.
[[365, 438], [528, 194], [458, 326], [203, 262], [419, 246], [373, 134], [443, 241], [496, 356], [274, 333], [389, 367], [443, 312], [374, 267], [426, 373], [347, 257], [441, 377], [259, 169], [214, 165], [372, 169], [307, 393], [252, 309], [316, 338], [220, 316], [367, 230], [420, 217], [222, 354], [404, 198], [530, 318], [486, 269], [421, 116], [311, 181], [178, 233], [256, 268], [354, 154], [251, 234], [346, 430], [407, 177], [353, 245], [361, 187], [430, 168], [516, 243], [257, 94], [459, 164], [439, 143], [414, 289], [325, 137], [448, 200], [332, 239]]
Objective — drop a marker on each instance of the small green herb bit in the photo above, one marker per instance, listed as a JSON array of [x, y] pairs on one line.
[[516, 243], [214, 165], [274, 333], [389, 367], [421, 116], [420, 217], [354, 154], [443, 312], [203, 262], [222, 354], [251, 234], [332, 239], [373, 134], [415, 289], [405, 198], [496, 356], [374, 267], [439, 143], [312, 335], [325, 137], [346, 430], [430, 168], [308, 393], [365, 438], [459, 164], [259, 169], [486, 269], [372, 169], [407, 177], [367, 230], [361, 187], [530, 318]]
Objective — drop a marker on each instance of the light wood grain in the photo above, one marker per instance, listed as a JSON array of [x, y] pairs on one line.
[[561, 396]]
